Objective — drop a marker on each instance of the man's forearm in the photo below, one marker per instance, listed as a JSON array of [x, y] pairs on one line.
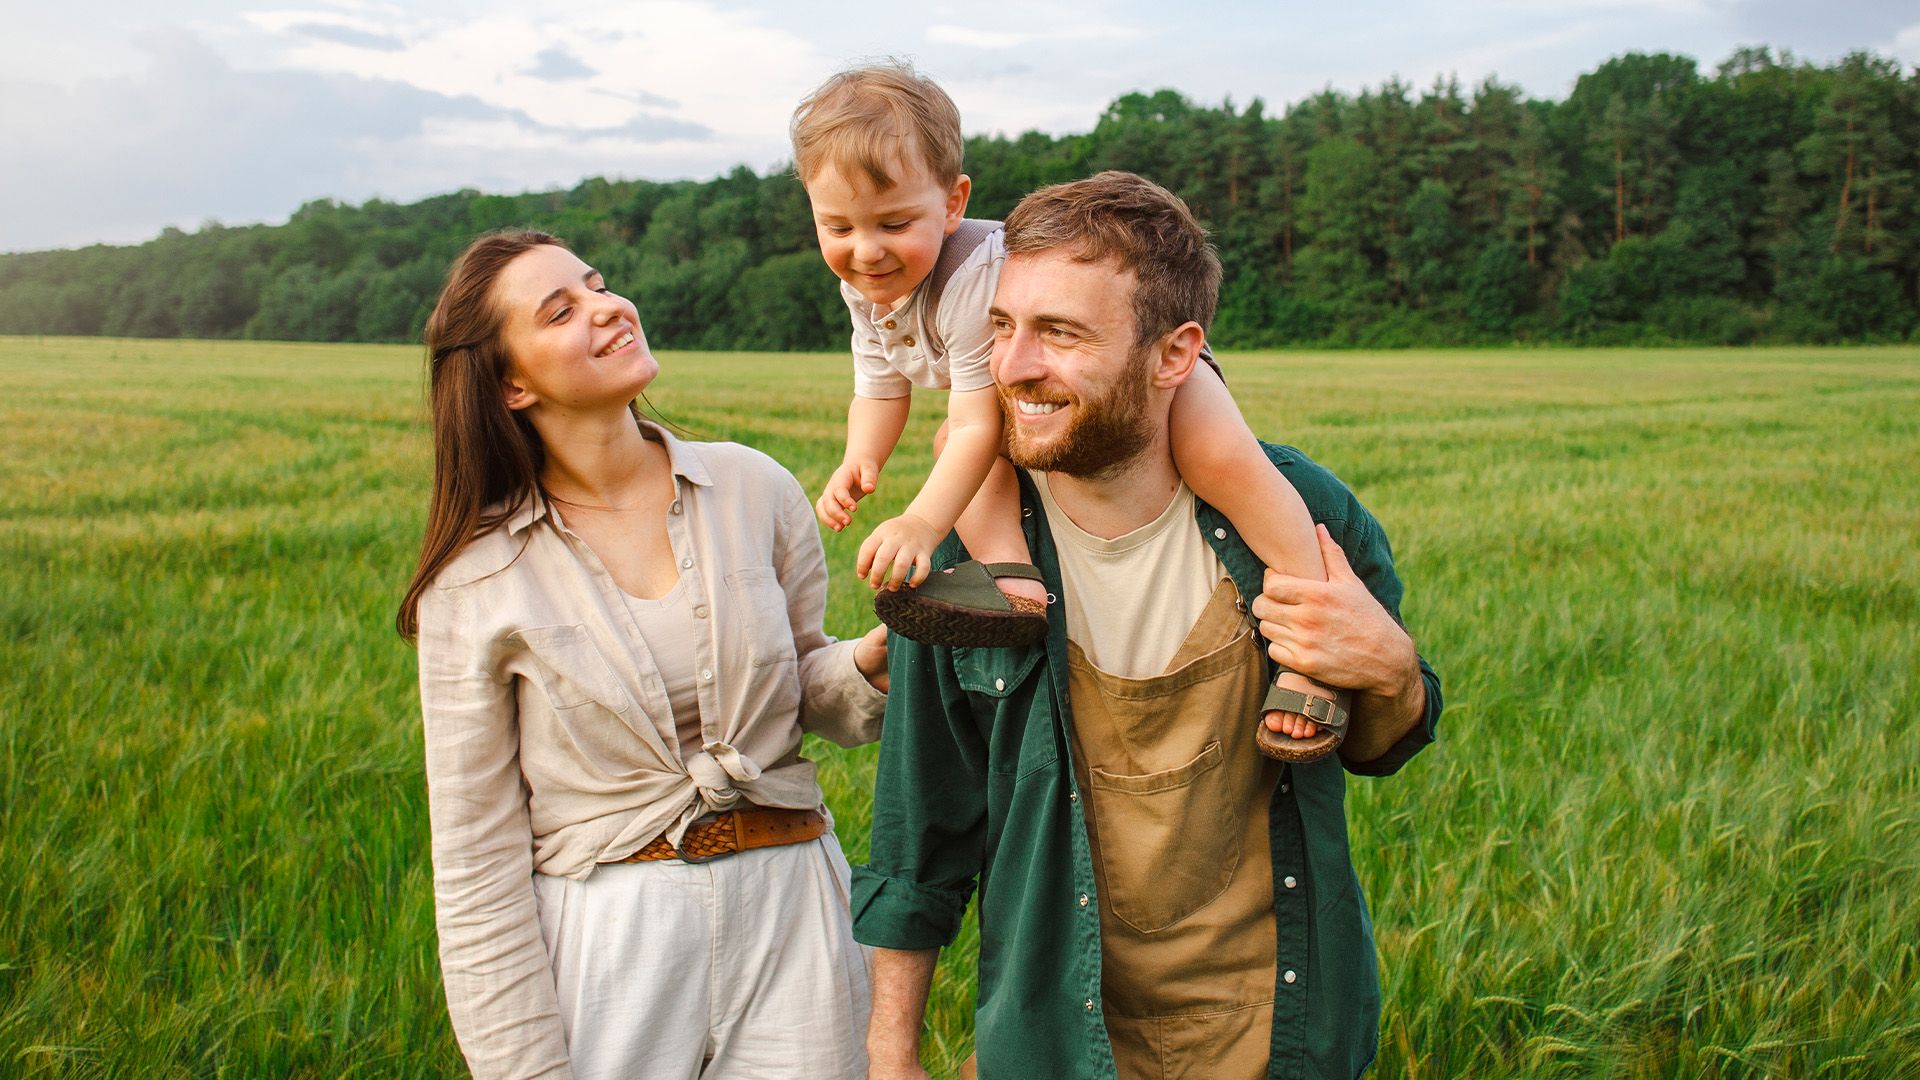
[[901, 979], [1382, 715]]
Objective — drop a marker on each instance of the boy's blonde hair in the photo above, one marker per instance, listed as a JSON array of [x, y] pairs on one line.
[[865, 119]]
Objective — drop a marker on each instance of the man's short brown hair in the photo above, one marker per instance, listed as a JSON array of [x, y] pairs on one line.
[[1121, 216], [865, 119]]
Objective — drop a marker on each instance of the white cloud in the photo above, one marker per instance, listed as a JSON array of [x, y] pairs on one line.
[[946, 34]]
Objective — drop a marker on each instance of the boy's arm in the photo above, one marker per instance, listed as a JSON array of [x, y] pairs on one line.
[[873, 430], [900, 551]]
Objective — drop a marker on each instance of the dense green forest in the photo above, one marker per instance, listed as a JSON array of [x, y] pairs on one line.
[[1773, 200]]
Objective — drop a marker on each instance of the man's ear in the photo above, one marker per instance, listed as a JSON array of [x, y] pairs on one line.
[[1179, 351], [957, 201], [515, 396]]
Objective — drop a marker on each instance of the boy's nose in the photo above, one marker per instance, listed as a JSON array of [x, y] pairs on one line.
[[867, 250]]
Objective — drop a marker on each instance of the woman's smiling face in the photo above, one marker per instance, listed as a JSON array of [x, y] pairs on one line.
[[576, 346]]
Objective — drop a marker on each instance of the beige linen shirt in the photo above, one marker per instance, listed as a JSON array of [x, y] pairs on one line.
[[549, 743], [891, 354]]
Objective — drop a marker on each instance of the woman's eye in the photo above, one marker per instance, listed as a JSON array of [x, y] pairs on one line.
[[561, 315], [603, 290]]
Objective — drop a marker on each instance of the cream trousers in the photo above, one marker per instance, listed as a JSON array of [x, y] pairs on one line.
[[743, 967]]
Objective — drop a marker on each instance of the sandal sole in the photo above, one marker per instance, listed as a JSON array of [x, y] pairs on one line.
[[936, 622]]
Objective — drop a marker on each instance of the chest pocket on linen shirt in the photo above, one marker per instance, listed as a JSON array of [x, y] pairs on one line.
[[570, 669], [763, 607]]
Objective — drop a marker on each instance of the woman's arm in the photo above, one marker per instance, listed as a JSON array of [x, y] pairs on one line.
[[499, 983], [837, 701]]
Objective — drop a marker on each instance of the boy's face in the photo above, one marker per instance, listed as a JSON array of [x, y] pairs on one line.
[[884, 243]]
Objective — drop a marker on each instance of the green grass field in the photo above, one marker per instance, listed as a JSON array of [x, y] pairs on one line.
[[1672, 828]]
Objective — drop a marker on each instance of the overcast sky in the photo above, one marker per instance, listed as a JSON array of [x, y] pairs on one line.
[[118, 119]]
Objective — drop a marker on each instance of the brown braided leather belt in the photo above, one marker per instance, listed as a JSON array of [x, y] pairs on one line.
[[741, 829]]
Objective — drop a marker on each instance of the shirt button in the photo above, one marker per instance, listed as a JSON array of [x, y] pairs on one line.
[[889, 324], [1284, 789], [706, 674], [1290, 977], [909, 340], [1089, 1004], [1083, 899], [675, 508], [686, 564], [1073, 796], [999, 684], [700, 611], [1290, 881], [1219, 534]]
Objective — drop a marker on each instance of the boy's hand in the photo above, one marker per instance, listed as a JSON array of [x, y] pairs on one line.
[[849, 483], [900, 552]]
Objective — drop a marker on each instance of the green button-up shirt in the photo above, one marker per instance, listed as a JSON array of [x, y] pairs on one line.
[[976, 786]]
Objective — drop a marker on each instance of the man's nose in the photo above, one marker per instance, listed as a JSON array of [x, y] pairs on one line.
[[1016, 358]]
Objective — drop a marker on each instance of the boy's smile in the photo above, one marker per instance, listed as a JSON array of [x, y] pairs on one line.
[[884, 243]]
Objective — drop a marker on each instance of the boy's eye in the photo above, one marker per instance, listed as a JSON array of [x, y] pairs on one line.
[[839, 230], [895, 226]]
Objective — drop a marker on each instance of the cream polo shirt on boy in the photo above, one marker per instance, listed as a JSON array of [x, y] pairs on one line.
[[890, 351]]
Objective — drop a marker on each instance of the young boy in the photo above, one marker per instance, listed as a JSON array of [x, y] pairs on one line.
[[878, 149]]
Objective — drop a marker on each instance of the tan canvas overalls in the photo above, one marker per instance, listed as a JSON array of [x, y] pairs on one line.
[[1177, 821]]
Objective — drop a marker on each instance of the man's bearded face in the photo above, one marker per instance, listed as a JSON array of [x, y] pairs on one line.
[[1108, 425]]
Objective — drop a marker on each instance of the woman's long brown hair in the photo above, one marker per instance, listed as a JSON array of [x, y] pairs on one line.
[[484, 454]]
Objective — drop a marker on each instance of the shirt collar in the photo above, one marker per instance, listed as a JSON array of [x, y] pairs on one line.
[[684, 458]]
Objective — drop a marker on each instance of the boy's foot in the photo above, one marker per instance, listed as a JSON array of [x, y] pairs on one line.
[[964, 606], [1294, 693]]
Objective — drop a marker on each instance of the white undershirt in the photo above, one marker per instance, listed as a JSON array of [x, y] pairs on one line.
[[1131, 600], [670, 630]]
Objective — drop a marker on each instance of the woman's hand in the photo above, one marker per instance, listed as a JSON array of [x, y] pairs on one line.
[[870, 657], [900, 552]]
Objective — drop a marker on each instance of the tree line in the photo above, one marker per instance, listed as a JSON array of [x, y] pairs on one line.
[[1771, 201]]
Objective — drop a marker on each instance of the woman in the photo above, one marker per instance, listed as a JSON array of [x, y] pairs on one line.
[[620, 644]]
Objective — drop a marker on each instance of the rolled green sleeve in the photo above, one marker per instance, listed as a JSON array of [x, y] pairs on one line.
[[929, 807]]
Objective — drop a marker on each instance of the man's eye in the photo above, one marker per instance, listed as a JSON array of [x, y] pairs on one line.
[[1002, 327], [1059, 333]]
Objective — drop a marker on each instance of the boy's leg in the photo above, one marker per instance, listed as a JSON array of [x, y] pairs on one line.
[[990, 525], [1221, 460]]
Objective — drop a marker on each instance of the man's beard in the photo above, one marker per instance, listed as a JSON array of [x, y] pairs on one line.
[[1107, 432]]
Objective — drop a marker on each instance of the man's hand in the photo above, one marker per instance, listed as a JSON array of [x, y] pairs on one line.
[[1334, 632], [870, 657], [851, 482], [900, 552]]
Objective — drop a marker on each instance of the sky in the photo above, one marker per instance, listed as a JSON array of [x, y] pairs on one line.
[[120, 119]]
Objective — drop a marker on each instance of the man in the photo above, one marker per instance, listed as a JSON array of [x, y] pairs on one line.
[[1156, 897]]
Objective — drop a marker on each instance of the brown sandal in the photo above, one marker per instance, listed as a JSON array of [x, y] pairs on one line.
[[1329, 713], [961, 606]]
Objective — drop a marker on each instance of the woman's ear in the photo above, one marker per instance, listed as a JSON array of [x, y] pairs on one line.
[[515, 396]]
